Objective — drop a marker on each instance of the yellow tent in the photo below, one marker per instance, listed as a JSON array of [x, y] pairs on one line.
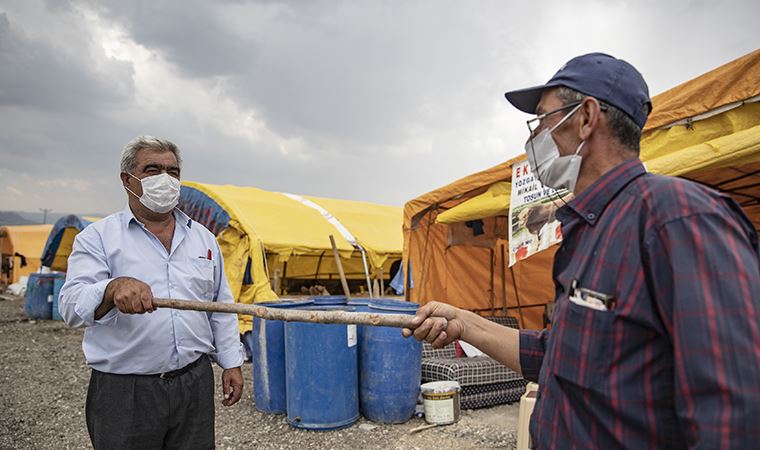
[[266, 235], [706, 130], [26, 240]]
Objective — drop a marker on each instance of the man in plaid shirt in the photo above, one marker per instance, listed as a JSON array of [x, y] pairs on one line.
[[656, 336]]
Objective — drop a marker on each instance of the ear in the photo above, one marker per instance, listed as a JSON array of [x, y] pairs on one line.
[[124, 178], [589, 112]]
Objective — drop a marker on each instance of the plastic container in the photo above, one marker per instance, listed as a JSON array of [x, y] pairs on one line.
[[58, 282], [527, 403], [267, 343], [321, 374], [389, 367], [441, 399], [329, 300], [38, 300], [360, 305]]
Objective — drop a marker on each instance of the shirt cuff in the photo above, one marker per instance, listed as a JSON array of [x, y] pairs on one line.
[[531, 354], [89, 299], [230, 358]]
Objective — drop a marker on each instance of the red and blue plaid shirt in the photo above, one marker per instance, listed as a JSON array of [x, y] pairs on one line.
[[675, 360]]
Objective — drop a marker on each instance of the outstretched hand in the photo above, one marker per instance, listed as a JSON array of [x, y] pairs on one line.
[[436, 323]]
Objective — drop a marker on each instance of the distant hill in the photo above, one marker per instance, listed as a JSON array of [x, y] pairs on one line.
[[12, 218], [33, 218]]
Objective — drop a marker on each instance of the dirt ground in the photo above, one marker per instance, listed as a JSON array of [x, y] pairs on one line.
[[44, 382]]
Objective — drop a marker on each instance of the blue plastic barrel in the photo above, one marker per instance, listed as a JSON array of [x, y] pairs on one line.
[[389, 368], [360, 305], [38, 301], [329, 300], [267, 342], [322, 374], [58, 281]]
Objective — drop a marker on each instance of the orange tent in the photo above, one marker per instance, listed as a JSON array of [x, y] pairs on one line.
[[447, 265], [26, 240], [706, 130]]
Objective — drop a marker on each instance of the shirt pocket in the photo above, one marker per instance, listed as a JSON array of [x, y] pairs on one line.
[[583, 351], [200, 273]]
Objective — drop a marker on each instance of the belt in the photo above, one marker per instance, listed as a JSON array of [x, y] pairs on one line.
[[178, 372]]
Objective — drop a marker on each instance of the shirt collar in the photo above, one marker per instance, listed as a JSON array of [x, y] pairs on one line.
[[127, 216], [592, 201]]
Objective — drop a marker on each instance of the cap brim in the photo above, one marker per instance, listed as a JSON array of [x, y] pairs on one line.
[[526, 100]]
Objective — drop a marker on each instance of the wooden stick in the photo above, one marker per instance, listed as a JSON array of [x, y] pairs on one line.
[[340, 269], [517, 297], [503, 280], [291, 315], [423, 427]]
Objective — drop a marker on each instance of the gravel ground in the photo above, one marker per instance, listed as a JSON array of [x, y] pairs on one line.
[[44, 383]]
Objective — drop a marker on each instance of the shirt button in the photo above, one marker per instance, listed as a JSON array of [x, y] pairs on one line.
[[591, 216]]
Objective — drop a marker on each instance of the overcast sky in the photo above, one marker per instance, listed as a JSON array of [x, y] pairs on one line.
[[379, 101]]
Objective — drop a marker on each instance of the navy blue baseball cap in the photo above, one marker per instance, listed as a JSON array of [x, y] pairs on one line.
[[598, 75]]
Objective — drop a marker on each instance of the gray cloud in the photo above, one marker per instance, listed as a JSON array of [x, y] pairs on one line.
[[43, 74], [377, 101]]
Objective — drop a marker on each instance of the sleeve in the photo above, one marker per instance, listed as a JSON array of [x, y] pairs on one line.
[[86, 280], [229, 350], [704, 275], [532, 350]]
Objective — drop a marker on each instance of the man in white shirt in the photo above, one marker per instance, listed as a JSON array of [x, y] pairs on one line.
[[152, 382]]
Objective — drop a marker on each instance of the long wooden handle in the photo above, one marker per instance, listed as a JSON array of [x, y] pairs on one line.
[[291, 315], [342, 274]]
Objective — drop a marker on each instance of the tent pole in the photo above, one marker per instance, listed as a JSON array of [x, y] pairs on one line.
[[492, 294], [276, 281], [283, 285], [382, 281], [266, 264], [517, 297], [503, 281], [366, 270], [407, 278], [319, 265]]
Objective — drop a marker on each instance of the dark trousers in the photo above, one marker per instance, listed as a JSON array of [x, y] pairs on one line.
[[148, 412]]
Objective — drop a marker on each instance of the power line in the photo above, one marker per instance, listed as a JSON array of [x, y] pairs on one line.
[[45, 212]]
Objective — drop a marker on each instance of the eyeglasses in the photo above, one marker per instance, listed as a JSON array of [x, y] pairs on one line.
[[539, 118]]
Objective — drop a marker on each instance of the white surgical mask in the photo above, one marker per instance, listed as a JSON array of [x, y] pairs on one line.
[[160, 192], [553, 170]]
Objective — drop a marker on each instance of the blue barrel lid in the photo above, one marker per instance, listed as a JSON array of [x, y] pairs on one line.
[[329, 300], [359, 302], [347, 308], [285, 304], [387, 304]]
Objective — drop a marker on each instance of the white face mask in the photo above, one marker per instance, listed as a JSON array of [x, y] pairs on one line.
[[160, 192], [553, 170]]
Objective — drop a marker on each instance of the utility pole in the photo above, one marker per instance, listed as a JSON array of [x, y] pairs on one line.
[[44, 216]]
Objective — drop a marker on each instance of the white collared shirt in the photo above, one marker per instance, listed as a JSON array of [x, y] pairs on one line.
[[167, 339]]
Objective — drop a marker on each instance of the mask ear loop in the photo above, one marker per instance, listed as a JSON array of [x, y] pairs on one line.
[[130, 190], [577, 150]]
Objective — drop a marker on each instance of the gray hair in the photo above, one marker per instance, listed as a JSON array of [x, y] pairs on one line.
[[621, 125], [152, 143]]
